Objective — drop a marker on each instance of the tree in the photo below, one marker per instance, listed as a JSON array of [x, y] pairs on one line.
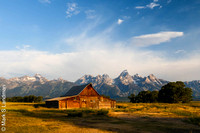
[[39, 99], [30, 98], [144, 97], [153, 97], [132, 98], [105, 96], [175, 92]]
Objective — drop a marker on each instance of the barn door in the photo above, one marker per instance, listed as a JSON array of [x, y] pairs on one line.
[[83, 104], [63, 105]]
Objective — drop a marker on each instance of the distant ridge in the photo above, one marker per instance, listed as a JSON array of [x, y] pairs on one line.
[[121, 86]]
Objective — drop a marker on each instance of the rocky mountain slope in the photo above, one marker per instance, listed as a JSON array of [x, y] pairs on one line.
[[122, 86]]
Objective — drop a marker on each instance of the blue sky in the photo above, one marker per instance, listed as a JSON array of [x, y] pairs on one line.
[[70, 38]]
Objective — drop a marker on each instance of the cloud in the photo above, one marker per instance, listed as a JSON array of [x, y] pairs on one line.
[[126, 17], [73, 65], [45, 1], [120, 21], [151, 5], [23, 47], [169, 1], [155, 39], [90, 14], [72, 9], [140, 7], [180, 51]]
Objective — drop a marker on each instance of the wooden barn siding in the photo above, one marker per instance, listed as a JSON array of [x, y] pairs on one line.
[[89, 91], [89, 98], [94, 102], [73, 103], [106, 103], [89, 102]]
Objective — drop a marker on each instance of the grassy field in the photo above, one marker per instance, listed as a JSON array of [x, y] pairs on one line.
[[127, 117]]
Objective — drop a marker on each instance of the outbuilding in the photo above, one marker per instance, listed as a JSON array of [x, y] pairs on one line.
[[83, 96]]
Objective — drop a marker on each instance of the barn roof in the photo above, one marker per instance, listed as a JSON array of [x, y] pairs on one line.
[[76, 90], [56, 99]]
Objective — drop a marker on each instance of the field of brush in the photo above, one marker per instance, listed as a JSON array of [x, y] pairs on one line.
[[126, 117]]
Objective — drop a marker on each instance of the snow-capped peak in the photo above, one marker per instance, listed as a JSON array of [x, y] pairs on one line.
[[38, 75], [105, 76], [99, 79], [39, 78], [125, 78], [124, 73], [84, 80], [137, 76], [26, 78], [152, 79]]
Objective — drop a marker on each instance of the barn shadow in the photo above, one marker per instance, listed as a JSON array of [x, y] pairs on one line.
[[100, 120]]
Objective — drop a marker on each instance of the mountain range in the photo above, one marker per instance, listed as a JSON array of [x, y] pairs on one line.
[[119, 87]]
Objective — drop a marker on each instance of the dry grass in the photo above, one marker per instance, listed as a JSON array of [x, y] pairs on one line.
[[128, 117], [161, 110]]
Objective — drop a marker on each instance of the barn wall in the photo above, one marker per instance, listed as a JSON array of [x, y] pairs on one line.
[[106, 103], [89, 102], [62, 104], [73, 102]]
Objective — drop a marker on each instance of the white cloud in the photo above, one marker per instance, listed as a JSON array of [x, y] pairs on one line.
[[169, 1], [155, 39], [45, 1], [140, 7], [90, 14], [120, 21], [151, 5], [180, 51], [126, 17], [73, 65], [23, 47], [72, 9]]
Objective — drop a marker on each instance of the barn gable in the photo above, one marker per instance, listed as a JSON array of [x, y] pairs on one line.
[[89, 91], [77, 90]]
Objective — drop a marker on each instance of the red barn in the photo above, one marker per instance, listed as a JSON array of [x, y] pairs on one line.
[[83, 96]]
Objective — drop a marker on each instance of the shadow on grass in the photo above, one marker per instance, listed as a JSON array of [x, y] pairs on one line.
[[39, 105], [99, 119]]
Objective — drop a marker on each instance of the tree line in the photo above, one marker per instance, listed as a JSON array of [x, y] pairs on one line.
[[30, 98], [173, 92]]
